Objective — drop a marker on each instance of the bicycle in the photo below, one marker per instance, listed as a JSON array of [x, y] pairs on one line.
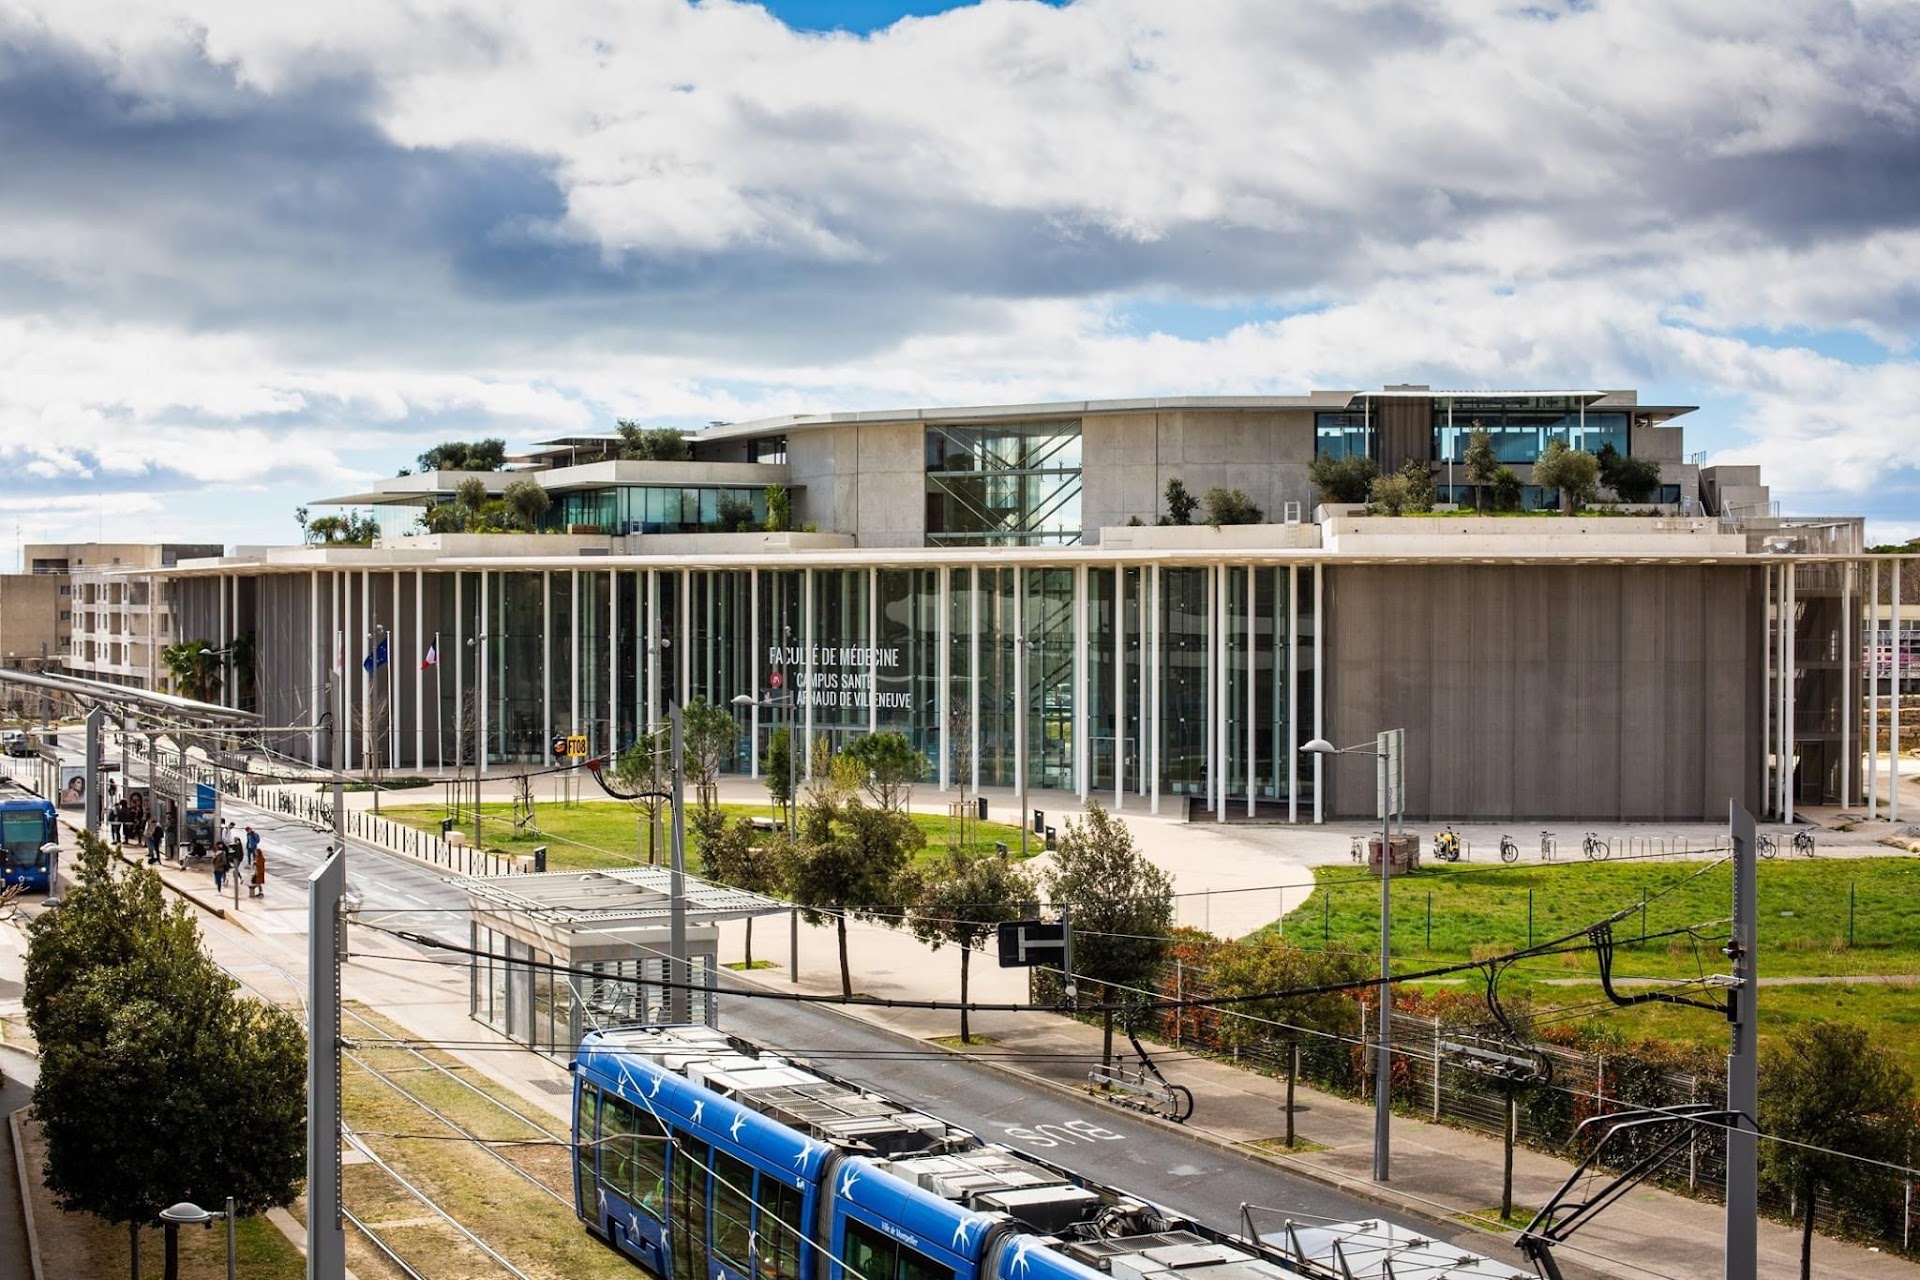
[[1547, 846], [1595, 848], [1446, 846], [1803, 842], [1767, 845], [1509, 851]]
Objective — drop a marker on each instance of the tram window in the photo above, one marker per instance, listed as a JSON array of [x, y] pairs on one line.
[[616, 1146], [687, 1217], [917, 1266], [585, 1135], [867, 1253], [649, 1162], [780, 1231], [732, 1207]]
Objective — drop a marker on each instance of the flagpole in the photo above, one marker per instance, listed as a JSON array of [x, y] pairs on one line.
[[439, 712]]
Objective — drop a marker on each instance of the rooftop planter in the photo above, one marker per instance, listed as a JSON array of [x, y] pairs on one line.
[[1202, 537], [1548, 534]]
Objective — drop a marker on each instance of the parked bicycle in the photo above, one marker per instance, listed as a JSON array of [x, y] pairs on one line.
[[1803, 842], [1595, 848], [1766, 845], [1547, 846], [1509, 851], [1446, 845]]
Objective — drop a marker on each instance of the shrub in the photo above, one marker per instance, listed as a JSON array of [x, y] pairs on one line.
[[1231, 506], [1342, 479]]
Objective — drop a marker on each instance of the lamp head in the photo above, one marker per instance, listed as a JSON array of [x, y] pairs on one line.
[[185, 1214], [743, 700], [1320, 747]]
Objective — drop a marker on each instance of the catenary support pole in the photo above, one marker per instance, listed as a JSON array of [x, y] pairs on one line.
[[95, 719], [1383, 1064], [326, 1240], [1743, 1063], [677, 879]]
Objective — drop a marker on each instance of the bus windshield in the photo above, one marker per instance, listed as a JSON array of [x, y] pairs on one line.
[[23, 834]]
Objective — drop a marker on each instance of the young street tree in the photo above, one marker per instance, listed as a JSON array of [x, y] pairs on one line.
[[1483, 466], [962, 900], [1828, 1086], [1574, 473], [730, 856], [709, 735], [846, 861], [645, 772], [1121, 904], [776, 768], [891, 767], [158, 1082]]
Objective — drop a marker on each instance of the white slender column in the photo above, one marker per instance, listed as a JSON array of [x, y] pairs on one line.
[[1849, 705], [459, 669], [1020, 658], [1153, 691], [393, 677], [1893, 704], [1253, 602], [1217, 704], [1788, 673], [1873, 689], [366, 677], [1119, 687], [656, 636], [683, 637], [483, 629], [1769, 702], [873, 641], [317, 665], [806, 659], [753, 672], [973, 676], [1293, 689], [1143, 749], [546, 658], [943, 719], [573, 645], [220, 583], [419, 673], [1319, 695], [1080, 762], [605, 747]]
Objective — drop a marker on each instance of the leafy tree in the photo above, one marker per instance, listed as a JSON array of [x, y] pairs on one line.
[[1274, 964], [776, 767], [709, 736], [1420, 490], [846, 860], [471, 495], [1574, 472], [652, 444], [1180, 503], [300, 518], [444, 517], [1121, 904], [1825, 1084], [1507, 490], [1388, 494], [729, 855], [645, 771], [1483, 466], [889, 766], [961, 901], [158, 1082], [1633, 480], [528, 501], [326, 529], [733, 514], [1231, 506], [195, 668], [465, 455], [1342, 479], [779, 509]]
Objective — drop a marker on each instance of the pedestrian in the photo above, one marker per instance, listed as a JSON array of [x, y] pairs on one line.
[[153, 842], [116, 824], [220, 865], [259, 887]]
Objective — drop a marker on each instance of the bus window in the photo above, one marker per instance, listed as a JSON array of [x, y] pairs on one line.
[[867, 1253], [732, 1209]]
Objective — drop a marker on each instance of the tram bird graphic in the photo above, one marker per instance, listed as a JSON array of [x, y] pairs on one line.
[[849, 1178], [733, 1130], [962, 1235]]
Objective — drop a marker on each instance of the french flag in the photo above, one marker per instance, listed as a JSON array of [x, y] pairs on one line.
[[433, 655]]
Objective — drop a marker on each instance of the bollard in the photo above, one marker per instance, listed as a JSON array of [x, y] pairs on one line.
[[1429, 919], [1850, 888], [1529, 917]]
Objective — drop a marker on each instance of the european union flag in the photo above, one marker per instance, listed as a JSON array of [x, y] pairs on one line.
[[378, 658]]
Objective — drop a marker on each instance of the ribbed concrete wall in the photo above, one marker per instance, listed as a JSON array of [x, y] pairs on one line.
[[1598, 692]]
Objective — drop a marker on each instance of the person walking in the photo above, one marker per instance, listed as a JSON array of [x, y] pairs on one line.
[[221, 864], [258, 889], [153, 842], [117, 823]]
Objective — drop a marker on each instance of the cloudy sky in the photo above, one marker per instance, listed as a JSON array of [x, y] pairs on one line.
[[255, 253]]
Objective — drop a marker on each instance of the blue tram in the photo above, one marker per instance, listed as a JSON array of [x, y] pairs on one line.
[[700, 1156], [27, 825]]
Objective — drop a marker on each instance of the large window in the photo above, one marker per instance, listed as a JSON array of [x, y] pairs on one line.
[[1011, 484], [1521, 427], [873, 1256], [1342, 435]]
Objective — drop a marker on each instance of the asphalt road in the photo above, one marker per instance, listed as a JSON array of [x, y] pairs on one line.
[[1188, 1175]]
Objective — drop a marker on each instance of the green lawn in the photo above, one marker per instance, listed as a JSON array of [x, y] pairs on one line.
[[1458, 913], [607, 833]]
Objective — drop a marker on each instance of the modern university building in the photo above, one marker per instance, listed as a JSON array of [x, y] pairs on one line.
[[991, 582]]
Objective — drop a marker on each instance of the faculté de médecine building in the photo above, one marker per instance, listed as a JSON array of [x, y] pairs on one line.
[[993, 583]]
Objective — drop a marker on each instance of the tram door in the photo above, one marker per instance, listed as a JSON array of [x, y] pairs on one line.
[[687, 1217]]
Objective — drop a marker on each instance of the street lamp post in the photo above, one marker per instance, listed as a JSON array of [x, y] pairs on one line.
[[786, 700], [1386, 751], [187, 1214]]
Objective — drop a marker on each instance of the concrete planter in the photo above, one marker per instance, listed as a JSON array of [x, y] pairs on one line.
[[1529, 535], [1200, 537]]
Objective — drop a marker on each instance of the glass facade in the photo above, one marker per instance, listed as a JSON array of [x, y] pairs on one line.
[[1121, 680], [1521, 426], [1009, 484], [659, 509], [1342, 435], [523, 991]]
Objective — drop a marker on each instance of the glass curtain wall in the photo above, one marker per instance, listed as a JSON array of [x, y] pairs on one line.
[[1009, 484], [1103, 659], [962, 694], [559, 691], [908, 665], [994, 687], [1050, 655], [1185, 596], [835, 690], [516, 680]]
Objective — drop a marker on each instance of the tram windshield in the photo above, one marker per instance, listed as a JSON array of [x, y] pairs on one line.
[[23, 834]]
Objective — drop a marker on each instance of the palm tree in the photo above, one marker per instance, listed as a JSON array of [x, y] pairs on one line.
[[195, 667]]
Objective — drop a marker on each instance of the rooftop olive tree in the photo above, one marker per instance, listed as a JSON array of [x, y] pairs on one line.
[[1575, 473]]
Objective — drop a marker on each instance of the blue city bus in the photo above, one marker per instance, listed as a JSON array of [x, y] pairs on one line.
[[27, 825]]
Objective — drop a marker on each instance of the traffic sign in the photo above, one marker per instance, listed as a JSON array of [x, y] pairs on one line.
[[776, 679], [576, 746], [1025, 943]]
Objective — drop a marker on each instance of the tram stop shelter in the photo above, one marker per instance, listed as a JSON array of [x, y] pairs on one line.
[[530, 930]]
